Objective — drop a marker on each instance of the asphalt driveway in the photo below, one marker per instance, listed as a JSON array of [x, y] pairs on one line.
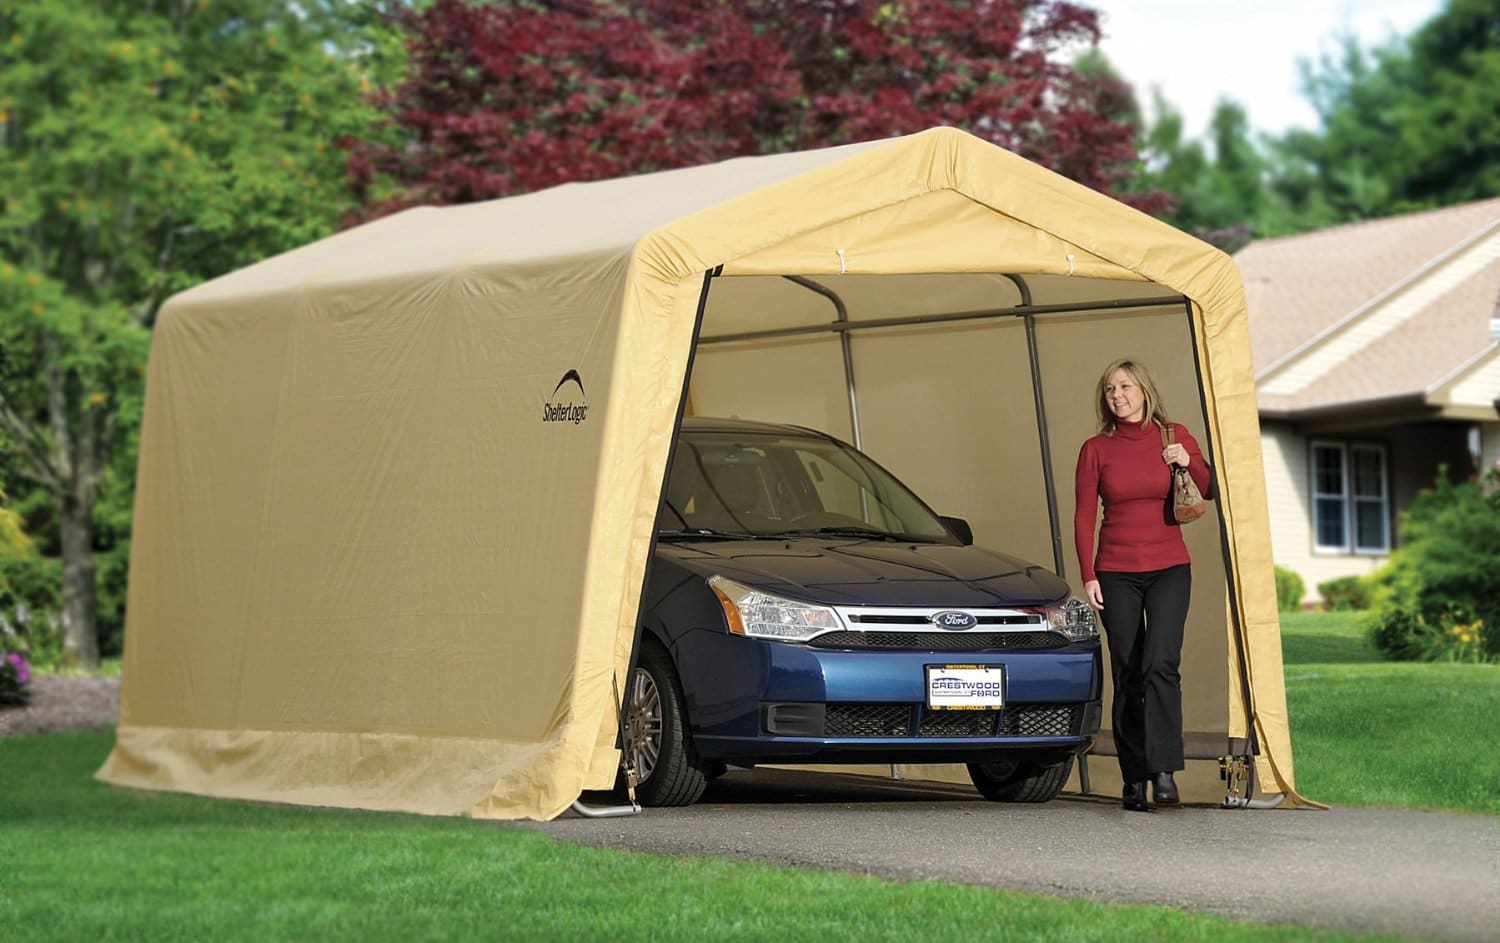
[[1422, 874]]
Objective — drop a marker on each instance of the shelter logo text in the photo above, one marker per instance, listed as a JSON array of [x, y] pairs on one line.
[[566, 408]]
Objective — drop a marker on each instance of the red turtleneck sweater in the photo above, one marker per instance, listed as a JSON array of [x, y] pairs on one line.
[[1125, 470]]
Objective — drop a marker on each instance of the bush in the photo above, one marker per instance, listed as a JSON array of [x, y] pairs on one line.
[[29, 597], [1345, 593], [1289, 590], [15, 676], [1439, 596]]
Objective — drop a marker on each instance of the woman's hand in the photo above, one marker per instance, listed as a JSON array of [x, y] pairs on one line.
[[1094, 593], [1175, 454]]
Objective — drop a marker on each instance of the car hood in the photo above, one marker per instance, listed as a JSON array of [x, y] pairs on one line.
[[845, 572]]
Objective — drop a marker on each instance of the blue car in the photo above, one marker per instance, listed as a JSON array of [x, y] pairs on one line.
[[804, 606]]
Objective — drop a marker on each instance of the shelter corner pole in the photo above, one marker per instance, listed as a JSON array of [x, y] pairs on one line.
[[1238, 626], [1041, 425], [640, 606], [844, 344]]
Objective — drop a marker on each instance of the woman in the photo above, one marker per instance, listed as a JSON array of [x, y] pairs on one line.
[[1140, 579]]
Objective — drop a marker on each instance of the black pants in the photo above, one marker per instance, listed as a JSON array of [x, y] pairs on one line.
[[1143, 615]]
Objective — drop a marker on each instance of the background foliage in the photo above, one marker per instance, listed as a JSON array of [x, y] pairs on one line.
[[1439, 596], [149, 145], [511, 96], [1290, 589], [145, 146], [1405, 126]]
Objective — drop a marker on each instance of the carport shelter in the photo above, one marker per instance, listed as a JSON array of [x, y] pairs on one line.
[[397, 488]]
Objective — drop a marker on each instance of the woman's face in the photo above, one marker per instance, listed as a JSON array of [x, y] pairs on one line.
[[1124, 397]]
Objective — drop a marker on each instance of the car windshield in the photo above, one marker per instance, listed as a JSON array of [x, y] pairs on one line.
[[764, 485]]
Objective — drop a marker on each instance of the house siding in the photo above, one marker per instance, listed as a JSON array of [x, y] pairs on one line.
[[1413, 453], [1489, 446], [1288, 496]]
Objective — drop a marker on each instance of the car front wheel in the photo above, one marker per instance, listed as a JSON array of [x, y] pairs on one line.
[[1021, 780], [657, 741]]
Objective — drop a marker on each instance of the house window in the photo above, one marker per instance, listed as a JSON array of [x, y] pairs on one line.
[[1350, 498]]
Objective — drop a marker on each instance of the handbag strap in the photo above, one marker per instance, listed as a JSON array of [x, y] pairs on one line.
[[1168, 436]]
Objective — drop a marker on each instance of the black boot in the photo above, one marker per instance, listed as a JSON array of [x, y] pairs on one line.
[[1164, 789], [1135, 798]]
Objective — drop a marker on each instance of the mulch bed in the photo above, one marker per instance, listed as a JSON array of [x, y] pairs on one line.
[[82, 703]]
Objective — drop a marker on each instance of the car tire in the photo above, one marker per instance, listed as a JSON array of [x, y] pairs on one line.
[[657, 739], [1021, 780]]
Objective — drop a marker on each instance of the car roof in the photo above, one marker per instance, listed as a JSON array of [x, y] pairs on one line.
[[711, 424]]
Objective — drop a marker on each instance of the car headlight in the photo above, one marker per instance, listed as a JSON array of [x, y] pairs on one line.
[[758, 614], [1073, 618]]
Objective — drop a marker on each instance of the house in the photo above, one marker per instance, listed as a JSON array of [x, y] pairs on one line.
[[1376, 362]]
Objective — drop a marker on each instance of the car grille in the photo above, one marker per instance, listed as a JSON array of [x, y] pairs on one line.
[[1041, 720], [867, 720], [894, 618], [958, 723], [939, 641], [895, 720]]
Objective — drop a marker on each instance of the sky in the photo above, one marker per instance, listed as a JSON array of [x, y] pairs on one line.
[[1198, 51]]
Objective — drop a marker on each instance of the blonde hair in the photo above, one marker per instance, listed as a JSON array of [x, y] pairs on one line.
[[1136, 371]]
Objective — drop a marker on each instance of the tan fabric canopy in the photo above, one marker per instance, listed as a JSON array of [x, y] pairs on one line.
[[397, 488]]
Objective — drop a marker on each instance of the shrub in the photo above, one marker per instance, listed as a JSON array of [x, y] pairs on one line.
[[1289, 590], [1439, 596], [29, 600], [15, 677], [1345, 593]]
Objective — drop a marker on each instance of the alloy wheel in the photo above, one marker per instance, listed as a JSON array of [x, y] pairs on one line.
[[643, 728]]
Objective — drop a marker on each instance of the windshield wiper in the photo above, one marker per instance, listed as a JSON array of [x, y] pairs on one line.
[[852, 531], [844, 530], [706, 534]]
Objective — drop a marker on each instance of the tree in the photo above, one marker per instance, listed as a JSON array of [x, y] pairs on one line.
[[1217, 190], [1408, 125], [146, 145], [1449, 147], [511, 96], [1348, 164]]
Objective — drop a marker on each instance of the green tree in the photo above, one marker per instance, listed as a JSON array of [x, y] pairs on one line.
[[1408, 125], [1449, 150], [146, 145], [1218, 189], [1348, 166]]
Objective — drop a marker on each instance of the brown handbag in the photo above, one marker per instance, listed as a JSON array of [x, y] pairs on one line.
[[1184, 500]]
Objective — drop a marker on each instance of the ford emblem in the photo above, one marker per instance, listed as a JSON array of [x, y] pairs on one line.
[[954, 620]]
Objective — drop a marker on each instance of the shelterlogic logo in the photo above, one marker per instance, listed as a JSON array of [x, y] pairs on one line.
[[564, 405]]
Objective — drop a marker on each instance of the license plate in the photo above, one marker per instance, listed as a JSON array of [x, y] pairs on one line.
[[965, 687]]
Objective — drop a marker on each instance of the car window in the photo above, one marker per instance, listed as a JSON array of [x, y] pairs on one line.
[[763, 485]]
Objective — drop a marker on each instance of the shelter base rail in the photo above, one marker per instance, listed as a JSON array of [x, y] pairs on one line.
[[605, 811]]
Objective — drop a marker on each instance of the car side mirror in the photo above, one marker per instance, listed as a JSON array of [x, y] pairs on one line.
[[960, 529]]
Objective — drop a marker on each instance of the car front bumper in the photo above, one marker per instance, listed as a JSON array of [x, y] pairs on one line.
[[759, 701]]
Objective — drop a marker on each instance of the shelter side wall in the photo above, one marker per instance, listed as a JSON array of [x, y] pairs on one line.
[[949, 410], [367, 515], [1074, 350], [796, 380]]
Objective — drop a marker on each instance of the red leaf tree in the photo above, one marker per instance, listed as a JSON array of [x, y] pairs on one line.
[[512, 96]]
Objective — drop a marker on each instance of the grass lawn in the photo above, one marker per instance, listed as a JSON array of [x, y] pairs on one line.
[[83, 861], [1371, 732]]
